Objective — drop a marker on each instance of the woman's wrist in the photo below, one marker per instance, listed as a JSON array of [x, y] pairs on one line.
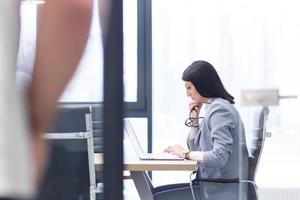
[[186, 154]]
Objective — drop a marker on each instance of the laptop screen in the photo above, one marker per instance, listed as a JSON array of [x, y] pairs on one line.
[[133, 138], [139, 150]]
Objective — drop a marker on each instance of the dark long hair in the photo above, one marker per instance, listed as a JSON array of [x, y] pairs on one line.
[[206, 80]]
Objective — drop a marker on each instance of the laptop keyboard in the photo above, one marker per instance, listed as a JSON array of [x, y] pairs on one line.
[[159, 156]]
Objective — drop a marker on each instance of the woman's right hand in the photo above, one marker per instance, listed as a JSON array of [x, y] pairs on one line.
[[194, 106]]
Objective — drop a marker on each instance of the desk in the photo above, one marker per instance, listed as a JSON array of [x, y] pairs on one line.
[[139, 167], [135, 164]]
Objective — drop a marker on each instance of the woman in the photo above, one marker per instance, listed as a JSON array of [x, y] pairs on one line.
[[215, 141]]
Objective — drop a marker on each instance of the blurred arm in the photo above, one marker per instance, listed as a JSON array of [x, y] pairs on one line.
[[61, 38]]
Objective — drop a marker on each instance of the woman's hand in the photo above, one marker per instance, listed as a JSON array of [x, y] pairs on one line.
[[194, 106], [177, 150]]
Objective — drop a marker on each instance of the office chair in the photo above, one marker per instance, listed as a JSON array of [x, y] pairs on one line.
[[255, 148], [71, 170]]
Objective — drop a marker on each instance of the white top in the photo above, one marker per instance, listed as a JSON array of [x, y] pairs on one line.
[[16, 172]]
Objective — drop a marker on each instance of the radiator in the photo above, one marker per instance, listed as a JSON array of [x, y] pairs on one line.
[[279, 194]]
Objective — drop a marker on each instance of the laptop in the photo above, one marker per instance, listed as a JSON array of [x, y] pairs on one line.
[[139, 150]]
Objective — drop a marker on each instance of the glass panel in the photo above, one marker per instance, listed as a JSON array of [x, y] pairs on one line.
[[249, 50], [87, 82], [69, 172], [130, 49]]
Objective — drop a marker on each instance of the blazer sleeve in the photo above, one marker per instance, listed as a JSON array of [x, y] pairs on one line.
[[221, 124], [190, 140]]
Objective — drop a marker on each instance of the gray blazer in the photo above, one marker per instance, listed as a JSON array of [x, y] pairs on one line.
[[221, 136]]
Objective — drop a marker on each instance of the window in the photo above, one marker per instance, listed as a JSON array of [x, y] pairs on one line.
[[87, 83], [249, 50]]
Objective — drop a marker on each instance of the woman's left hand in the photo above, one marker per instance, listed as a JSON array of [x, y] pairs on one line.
[[177, 150]]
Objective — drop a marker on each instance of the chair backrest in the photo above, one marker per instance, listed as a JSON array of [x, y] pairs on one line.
[[98, 134], [71, 119], [255, 148], [97, 126], [257, 139], [69, 171]]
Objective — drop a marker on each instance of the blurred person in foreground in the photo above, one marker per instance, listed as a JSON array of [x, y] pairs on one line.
[[61, 38]]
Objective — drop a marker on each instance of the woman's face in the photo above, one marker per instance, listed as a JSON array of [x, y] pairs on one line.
[[192, 92]]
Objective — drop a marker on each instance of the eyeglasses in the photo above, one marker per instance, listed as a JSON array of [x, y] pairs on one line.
[[191, 121]]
